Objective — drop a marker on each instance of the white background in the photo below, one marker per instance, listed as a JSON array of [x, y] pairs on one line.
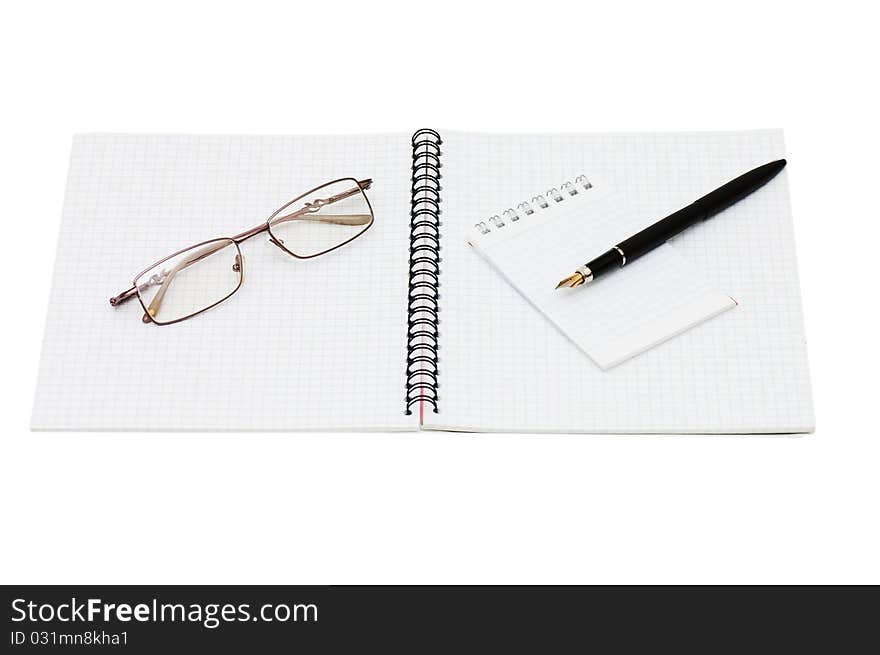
[[151, 508]]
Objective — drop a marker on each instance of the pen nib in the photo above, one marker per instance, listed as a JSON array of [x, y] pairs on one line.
[[571, 281]]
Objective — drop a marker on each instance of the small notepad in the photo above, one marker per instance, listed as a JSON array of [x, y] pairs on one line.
[[617, 316]]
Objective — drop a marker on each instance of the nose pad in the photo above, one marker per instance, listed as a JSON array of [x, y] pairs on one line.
[[278, 242], [237, 265]]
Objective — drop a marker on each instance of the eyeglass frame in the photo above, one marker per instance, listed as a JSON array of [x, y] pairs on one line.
[[359, 185]]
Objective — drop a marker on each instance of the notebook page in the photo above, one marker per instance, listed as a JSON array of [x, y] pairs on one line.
[[619, 315], [303, 345], [504, 367]]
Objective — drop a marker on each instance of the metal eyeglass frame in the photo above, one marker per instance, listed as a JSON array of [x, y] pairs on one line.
[[306, 212]]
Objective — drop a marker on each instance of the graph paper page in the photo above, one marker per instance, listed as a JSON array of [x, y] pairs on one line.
[[504, 367], [304, 344], [617, 316]]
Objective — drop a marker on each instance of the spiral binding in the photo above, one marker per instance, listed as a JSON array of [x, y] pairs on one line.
[[538, 202], [424, 272]]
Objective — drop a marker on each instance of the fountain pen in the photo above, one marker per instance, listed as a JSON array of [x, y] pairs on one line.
[[631, 249]]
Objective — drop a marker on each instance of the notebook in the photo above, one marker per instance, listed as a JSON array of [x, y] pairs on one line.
[[618, 316], [408, 327]]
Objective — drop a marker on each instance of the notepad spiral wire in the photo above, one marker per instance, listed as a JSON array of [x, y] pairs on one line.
[[424, 273], [538, 202]]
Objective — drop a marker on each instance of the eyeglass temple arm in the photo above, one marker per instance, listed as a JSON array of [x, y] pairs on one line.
[[332, 219], [121, 297]]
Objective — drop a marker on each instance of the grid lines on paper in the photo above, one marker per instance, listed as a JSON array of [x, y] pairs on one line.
[[506, 368], [304, 344]]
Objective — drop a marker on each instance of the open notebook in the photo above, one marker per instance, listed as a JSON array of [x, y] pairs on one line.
[[408, 326]]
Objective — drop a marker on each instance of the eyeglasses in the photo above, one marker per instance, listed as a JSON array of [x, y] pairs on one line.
[[195, 279]]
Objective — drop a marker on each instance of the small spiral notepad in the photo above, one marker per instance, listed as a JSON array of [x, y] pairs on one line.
[[618, 316]]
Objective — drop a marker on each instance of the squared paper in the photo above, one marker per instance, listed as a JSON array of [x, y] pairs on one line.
[[504, 367], [304, 344]]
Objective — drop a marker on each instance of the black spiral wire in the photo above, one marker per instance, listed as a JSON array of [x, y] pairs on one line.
[[424, 272]]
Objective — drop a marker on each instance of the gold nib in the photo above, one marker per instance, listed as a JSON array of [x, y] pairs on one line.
[[571, 281]]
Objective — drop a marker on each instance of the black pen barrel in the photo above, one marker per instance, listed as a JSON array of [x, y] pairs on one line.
[[660, 232], [724, 196]]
